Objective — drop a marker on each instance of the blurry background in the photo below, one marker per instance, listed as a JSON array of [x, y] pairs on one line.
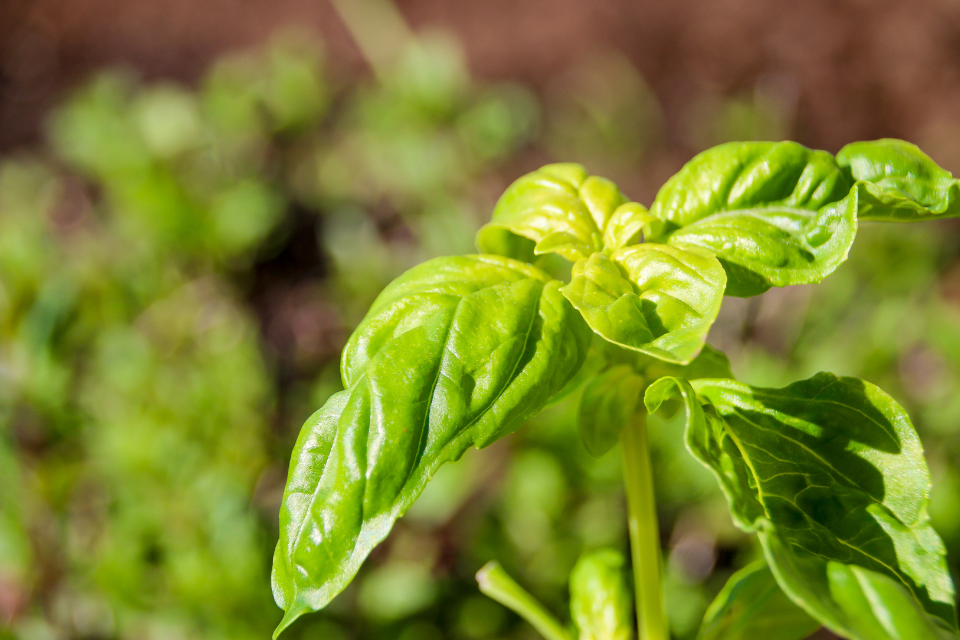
[[198, 201]]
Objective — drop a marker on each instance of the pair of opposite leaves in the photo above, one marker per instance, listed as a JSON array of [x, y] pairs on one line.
[[459, 351]]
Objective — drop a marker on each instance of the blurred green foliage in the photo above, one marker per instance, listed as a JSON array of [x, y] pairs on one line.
[[179, 268]]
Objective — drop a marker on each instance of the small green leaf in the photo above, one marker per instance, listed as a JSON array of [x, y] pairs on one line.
[[628, 225], [774, 213], [559, 209], [456, 352], [653, 298], [900, 183], [825, 470], [752, 606], [599, 597], [709, 363], [609, 401]]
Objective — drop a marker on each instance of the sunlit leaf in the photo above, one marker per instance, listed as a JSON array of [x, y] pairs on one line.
[[454, 353], [560, 209], [775, 214], [656, 299], [900, 183]]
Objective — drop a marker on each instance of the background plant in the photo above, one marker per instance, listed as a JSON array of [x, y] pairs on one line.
[[534, 500]]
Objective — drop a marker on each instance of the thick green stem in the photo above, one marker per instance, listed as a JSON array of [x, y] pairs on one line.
[[644, 531]]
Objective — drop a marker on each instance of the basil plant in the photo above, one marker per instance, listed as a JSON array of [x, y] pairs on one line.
[[462, 350]]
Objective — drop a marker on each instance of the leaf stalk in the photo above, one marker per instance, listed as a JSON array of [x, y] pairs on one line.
[[497, 584]]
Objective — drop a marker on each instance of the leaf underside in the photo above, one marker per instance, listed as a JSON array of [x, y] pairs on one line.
[[830, 473], [752, 606]]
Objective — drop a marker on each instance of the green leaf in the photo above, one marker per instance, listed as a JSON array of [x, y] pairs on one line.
[[609, 401], [456, 352], [559, 209], [751, 606], [862, 604], [899, 183], [653, 298], [600, 598], [774, 213], [825, 470], [709, 363]]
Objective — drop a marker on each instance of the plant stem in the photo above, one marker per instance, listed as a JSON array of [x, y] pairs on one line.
[[498, 585], [644, 530]]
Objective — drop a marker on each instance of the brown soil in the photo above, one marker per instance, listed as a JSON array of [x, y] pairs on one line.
[[857, 68]]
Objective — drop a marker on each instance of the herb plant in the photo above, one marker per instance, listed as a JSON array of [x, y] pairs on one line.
[[460, 351]]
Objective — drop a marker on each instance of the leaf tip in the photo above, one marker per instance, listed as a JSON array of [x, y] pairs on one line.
[[290, 616]]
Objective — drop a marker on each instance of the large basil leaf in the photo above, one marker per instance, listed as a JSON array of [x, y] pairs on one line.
[[774, 213], [826, 470], [454, 353], [654, 298], [599, 597], [608, 403], [900, 183], [752, 605], [560, 209]]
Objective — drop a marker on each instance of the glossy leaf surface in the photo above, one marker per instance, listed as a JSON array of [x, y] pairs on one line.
[[560, 209], [456, 352], [752, 605], [825, 470], [600, 598], [774, 213], [609, 401], [900, 183], [654, 298]]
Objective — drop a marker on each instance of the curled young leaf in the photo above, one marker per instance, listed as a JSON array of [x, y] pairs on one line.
[[826, 470], [599, 597], [774, 213], [609, 401], [899, 183], [750, 606], [653, 298], [560, 209], [455, 353]]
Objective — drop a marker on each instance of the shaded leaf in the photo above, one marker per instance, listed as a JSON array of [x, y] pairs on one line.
[[825, 470], [560, 209], [854, 601], [653, 298], [600, 598], [454, 353], [609, 401], [774, 213], [752, 605], [899, 183]]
